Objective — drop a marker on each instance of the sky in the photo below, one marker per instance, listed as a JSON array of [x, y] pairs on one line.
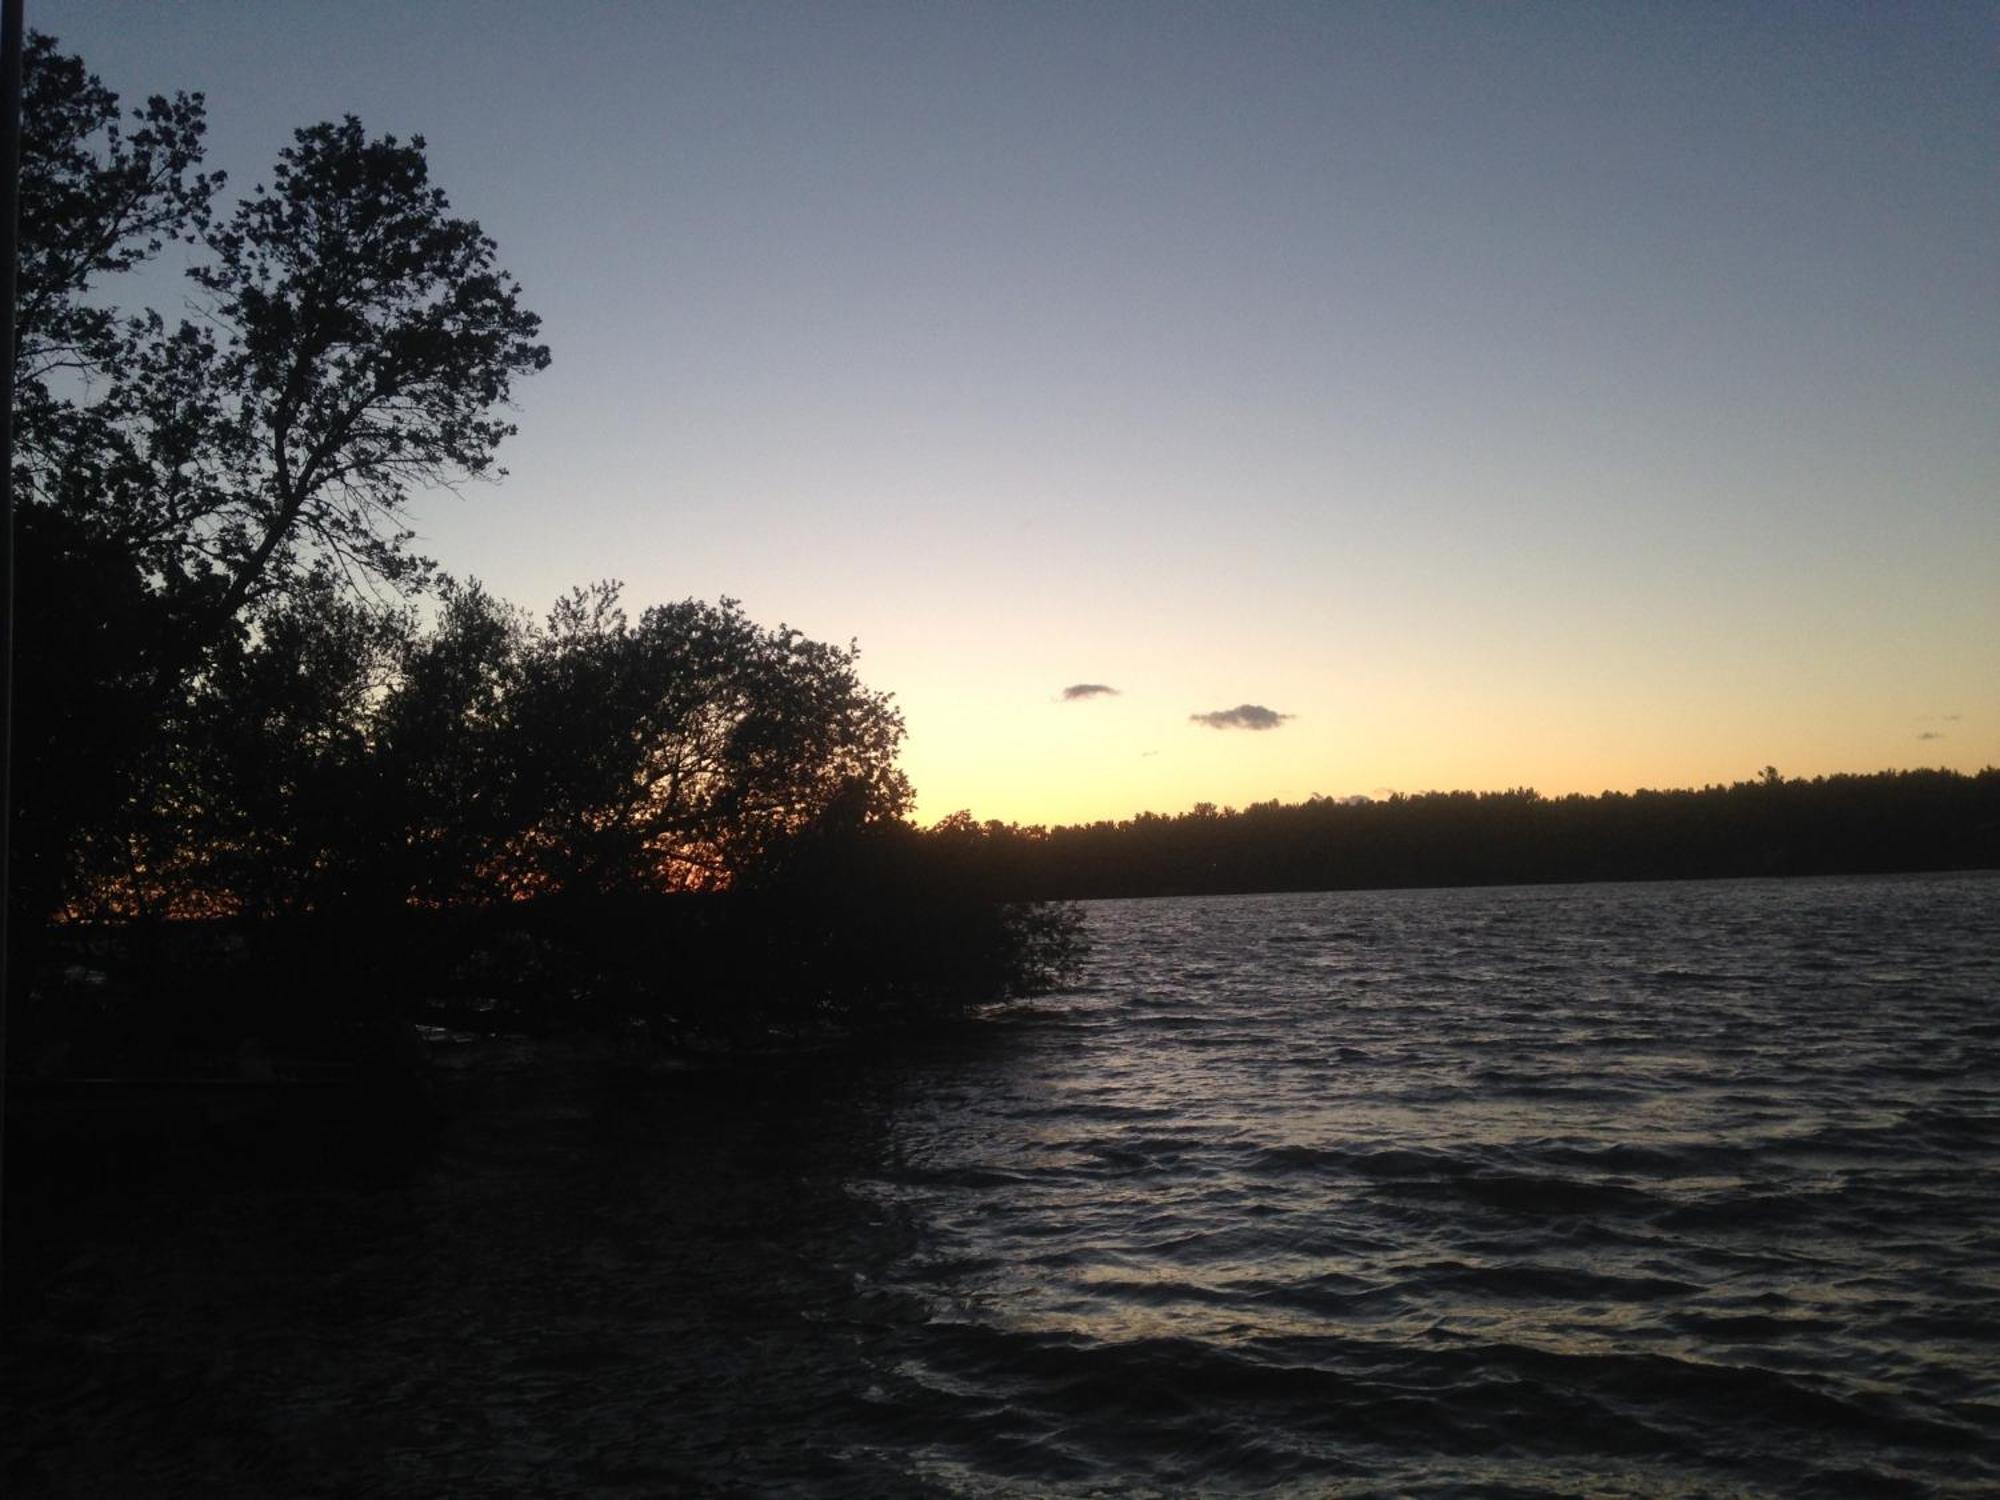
[[1571, 396]]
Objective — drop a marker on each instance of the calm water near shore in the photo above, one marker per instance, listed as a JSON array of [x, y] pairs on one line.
[[1644, 1189]]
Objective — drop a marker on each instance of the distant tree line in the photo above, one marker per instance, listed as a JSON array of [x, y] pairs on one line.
[[242, 697], [1890, 821]]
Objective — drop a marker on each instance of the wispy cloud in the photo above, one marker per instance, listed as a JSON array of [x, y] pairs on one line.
[[1078, 690], [1243, 716]]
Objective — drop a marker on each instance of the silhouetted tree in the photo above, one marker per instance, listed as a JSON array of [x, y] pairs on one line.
[[97, 197], [672, 752], [273, 791], [443, 799], [333, 755], [370, 340], [210, 478], [355, 340], [89, 733], [229, 710]]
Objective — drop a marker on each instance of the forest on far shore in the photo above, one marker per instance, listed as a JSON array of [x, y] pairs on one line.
[[1770, 826]]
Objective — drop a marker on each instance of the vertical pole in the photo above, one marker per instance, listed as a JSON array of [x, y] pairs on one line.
[[10, 220]]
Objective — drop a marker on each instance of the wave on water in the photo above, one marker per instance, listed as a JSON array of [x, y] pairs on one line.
[[1535, 1192], [1556, 1192]]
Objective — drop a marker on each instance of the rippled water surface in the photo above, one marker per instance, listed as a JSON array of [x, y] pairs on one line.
[[1668, 1189], [1642, 1189]]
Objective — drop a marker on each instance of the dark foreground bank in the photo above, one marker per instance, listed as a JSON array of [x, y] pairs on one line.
[[600, 1275]]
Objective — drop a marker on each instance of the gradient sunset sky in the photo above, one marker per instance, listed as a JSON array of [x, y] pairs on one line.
[[1570, 396]]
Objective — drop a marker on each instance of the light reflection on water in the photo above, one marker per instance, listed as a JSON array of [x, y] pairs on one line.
[[1690, 1182], [1659, 1190]]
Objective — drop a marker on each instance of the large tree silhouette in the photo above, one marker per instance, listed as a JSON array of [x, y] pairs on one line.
[[370, 342], [99, 195], [352, 342], [675, 751]]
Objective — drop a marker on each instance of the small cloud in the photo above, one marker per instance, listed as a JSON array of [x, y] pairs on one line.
[[1077, 690], [1931, 734], [1243, 716]]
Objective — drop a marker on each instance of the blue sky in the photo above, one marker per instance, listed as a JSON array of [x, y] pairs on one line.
[[1568, 396]]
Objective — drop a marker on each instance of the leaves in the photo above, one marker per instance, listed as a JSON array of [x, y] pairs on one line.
[[358, 343], [669, 753], [230, 476], [96, 199], [336, 754]]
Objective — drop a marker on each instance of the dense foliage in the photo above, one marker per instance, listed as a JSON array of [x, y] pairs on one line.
[[190, 488], [345, 757]]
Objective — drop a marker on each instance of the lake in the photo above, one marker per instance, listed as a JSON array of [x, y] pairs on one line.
[[1677, 1187], [1684, 1189]]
